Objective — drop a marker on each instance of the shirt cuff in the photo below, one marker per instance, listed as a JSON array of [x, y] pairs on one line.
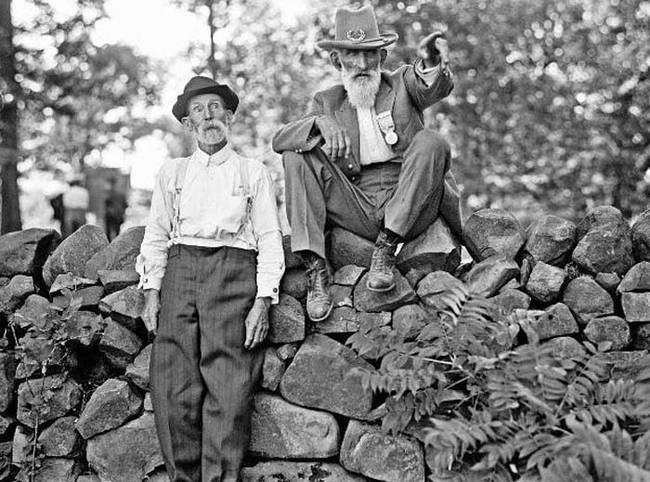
[[269, 292], [150, 282]]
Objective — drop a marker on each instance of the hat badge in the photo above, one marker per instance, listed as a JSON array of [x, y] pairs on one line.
[[356, 35]]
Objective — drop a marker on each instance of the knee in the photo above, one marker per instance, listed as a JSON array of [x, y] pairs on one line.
[[430, 141]]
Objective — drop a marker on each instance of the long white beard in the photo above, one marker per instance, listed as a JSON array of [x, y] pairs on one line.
[[362, 91]]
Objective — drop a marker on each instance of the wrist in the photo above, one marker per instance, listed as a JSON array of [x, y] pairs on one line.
[[266, 300]]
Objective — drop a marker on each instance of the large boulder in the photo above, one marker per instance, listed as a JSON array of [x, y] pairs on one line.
[[116, 279], [367, 450], [641, 237], [110, 405], [493, 231], [120, 254], [25, 252], [551, 239], [545, 282], [488, 276], [36, 312], [74, 252], [52, 469], [598, 217], [636, 279], [366, 300], [612, 329], [60, 439], [555, 321], [125, 307], [506, 302], [566, 347], [119, 345], [322, 376], [434, 249], [349, 248], [587, 299], [286, 321], [282, 430], [636, 307], [43, 399], [127, 453], [284, 471], [13, 293]]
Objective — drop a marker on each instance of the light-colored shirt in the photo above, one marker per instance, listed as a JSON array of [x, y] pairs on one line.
[[373, 147], [76, 198], [225, 200]]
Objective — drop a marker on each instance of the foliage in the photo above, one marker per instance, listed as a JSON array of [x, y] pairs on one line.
[[485, 403]]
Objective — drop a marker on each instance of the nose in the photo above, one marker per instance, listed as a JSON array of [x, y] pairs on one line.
[[207, 113], [361, 61]]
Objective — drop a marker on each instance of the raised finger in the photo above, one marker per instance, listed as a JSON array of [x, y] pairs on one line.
[[348, 145], [335, 146], [342, 145]]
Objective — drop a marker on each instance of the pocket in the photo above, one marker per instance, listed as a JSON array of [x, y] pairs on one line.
[[235, 213]]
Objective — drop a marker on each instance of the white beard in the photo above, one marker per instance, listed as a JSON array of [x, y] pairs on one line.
[[362, 91]]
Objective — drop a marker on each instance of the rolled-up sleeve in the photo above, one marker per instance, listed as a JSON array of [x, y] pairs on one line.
[[266, 226], [152, 260]]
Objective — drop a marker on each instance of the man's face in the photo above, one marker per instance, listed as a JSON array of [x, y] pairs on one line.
[[208, 119], [360, 73]]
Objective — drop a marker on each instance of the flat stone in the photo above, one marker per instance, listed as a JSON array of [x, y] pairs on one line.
[[545, 282], [74, 252], [8, 365], [287, 321], [435, 249], [283, 471], [15, 292], [25, 252], [636, 279], [125, 307], [625, 364], [369, 451], [600, 216], [341, 295], [70, 282], [138, 371], [52, 469], [60, 439], [409, 320], [349, 275], [118, 344], [641, 236], [366, 300], [566, 347], [349, 248], [84, 328], [493, 231], [322, 376], [343, 319], [606, 249], [551, 239], [636, 307], [110, 405], [272, 370], [611, 329], [83, 298], [127, 453], [506, 302], [294, 283], [609, 281], [434, 287], [587, 299], [282, 430], [45, 399], [488, 276], [117, 279], [119, 254], [556, 321], [291, 260]]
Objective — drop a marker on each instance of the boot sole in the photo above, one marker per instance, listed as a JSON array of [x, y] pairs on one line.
[[329, 311], [383, 290]]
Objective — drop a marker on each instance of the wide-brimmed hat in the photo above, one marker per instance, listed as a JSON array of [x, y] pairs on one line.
[[204, 85], [357, 30]]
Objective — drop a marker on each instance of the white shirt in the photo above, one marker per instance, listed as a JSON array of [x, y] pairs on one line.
[[226, 200]]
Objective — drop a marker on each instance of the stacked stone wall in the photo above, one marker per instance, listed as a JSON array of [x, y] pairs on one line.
[[74, 355]]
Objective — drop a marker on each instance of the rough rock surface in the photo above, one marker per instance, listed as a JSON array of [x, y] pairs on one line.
[[62, 395], [343, 319], [566, 347], [488, 276], [53, 469], [119, 345], [636, 306], [120, 254], [25, 252], [74, 252], [636, 279], [85, 327], [369, 451], [598, 217], [609, 281], [272, 370], [348, 248], [286, 320], [506, 302], [14, 292], [36, 311], [69, 281], [294, 283], [587, 299], [138, 371], [545, 282], [349, 275], [555, 321], [7, 379], [410, 320], [626, 364], [493, 231], [284, 471], [435, 249], [370, 301], [551, 239], [125, 307], [321, 376], [611, 329], [280, 429], [115, 280], [606, 249], [433, 287], [641, 237], [60, 439]]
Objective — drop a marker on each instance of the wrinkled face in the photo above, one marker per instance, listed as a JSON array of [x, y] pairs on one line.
[[208, 119], [360, 73]]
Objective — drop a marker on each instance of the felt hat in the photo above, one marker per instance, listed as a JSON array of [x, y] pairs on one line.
[[204, 85], [357, 30]]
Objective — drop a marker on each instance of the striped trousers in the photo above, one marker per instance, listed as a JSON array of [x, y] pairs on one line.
[[202, 378]]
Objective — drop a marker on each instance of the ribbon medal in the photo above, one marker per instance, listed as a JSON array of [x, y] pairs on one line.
[[387, 126]]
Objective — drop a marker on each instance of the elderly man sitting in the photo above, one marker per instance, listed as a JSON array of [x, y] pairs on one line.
[[361, 158]]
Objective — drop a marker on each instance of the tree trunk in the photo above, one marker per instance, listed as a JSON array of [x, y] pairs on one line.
[[212, 60], [10, 213]]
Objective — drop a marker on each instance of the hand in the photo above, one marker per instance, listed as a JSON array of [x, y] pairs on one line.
[[337, 141], [433, 49], [257, 323], [151, 309]]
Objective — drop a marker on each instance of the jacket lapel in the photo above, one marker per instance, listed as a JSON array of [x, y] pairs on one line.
[[385, 97]]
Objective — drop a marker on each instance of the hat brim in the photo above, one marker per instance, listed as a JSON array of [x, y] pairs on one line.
[[384, 40], [230, 99]]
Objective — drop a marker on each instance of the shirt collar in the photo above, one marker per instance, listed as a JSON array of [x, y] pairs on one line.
[[215, 159]]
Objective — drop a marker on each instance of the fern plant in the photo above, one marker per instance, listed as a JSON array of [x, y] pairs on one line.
[[514, 412]]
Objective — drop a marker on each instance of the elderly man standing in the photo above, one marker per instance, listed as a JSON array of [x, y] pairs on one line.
[[361, 158], [210, 264]]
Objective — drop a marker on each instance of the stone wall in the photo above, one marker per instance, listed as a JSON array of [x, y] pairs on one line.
[[74, 401]]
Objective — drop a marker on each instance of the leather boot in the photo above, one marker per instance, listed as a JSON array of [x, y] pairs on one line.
[[319, 299], [380, 277]]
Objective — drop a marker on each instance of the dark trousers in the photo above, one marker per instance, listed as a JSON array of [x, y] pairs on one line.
[[202, 377], [404, 197]]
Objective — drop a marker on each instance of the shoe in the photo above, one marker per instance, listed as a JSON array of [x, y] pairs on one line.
[[319, 299], [380, 277]]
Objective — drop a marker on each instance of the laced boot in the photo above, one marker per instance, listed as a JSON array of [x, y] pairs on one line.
[[381, 277], [319, 299]]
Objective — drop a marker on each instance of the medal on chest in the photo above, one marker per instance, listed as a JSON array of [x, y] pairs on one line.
[[387, 127]]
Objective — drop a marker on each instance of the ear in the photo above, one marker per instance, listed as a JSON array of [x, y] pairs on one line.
[[383, 53], [335, 59]]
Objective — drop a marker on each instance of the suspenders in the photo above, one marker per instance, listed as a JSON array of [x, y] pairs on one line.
[[181, 169]]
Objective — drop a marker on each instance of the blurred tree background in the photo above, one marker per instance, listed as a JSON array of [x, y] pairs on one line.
[[549, 114]]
